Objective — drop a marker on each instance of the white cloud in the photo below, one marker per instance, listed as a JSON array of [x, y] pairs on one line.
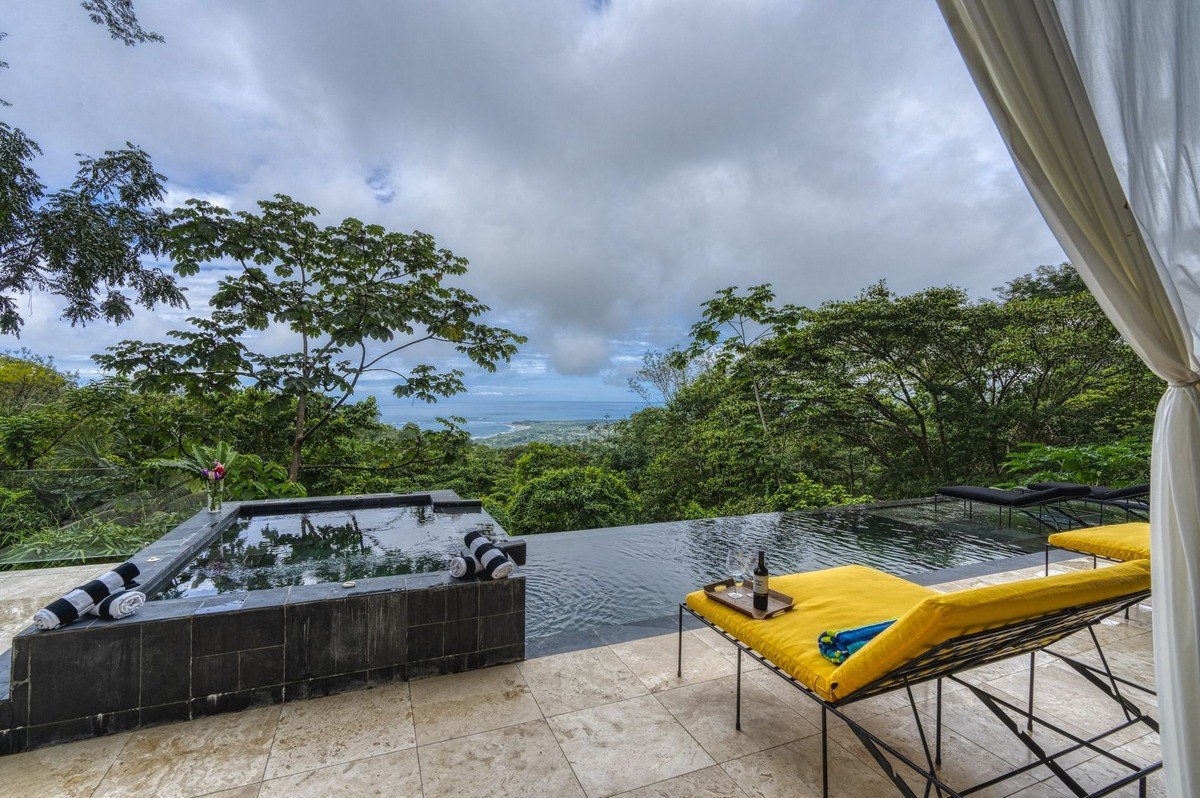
[[605, 171]]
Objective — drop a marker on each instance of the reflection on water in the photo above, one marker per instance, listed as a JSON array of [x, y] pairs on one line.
[[308, 548], [581, 580]]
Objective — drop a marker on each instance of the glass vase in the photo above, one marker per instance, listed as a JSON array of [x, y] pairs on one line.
[[216, 493]]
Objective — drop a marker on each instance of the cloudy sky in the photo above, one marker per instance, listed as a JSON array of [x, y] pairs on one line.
[[605, 166]]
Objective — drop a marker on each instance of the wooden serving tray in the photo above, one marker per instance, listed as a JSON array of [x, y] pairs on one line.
[[777, 603]]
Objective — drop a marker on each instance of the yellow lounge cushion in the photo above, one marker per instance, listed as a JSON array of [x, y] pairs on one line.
[[1122, 542], [849, 596], [947, 615], [835, 598]]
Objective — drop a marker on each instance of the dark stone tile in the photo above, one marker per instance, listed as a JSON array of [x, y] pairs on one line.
[[12, 741], [20, 658], [462, 601], [499, 656], [311, 641], [274, 597], [350, 628], [81, 728], [101, 666], [236, 631], [386, 675], [18, 697], [216, 673], [426, 642], [461, 637], [236, 702], [226, 602], [326, 685], [501, 596], [515, 549], [260, 667], [426, 606], [301, 594], [387, 629], [6, 714], [61, 732], [166, 713], [166, 610], [166, 661], [427, 581], [501, 630]]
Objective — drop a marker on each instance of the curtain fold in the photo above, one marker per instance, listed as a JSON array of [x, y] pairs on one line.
[[1098, 102]]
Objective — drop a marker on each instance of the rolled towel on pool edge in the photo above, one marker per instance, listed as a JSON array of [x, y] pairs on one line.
[[121, 604], [463, 566], [81, 600], [488, 556]]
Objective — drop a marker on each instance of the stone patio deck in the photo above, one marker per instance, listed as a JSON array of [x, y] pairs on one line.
[[609, 720]]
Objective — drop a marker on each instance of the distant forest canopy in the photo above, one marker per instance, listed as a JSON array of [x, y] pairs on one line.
[[766, 407]]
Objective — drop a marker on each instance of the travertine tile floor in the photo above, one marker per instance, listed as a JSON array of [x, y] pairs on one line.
[[612, 720]]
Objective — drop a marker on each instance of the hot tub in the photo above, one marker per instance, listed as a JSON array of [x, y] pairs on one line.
[[268, 602]]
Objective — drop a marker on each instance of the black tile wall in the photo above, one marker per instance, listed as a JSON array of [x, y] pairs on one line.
[[310, 640], [216, 673], [350, 628], [167, 654], [235, 631], [260, 667], [108, 664], [387, 629], [425, 642], [187, 659]]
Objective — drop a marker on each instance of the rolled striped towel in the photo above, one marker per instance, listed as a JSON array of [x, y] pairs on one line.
[[121, 604], [488, 558], [79, 601]]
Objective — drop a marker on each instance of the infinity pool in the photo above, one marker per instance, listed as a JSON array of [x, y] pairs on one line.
[[583, 580], [586, 579]]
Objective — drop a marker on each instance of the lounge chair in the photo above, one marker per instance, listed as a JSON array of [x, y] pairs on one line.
[[1043, 506], [1131, 498], [1114, 542], [937, 636]]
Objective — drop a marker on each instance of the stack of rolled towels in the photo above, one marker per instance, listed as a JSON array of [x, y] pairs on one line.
[[108, 596], [481, 557]]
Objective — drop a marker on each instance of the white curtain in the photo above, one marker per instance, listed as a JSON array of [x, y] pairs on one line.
[[1099, 104]]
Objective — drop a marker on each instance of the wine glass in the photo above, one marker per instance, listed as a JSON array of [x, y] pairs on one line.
[[735, 566]]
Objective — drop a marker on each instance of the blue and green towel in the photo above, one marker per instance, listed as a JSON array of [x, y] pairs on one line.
[[838, 646]]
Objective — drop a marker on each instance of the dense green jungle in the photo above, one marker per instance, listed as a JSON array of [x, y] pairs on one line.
[[765, 407]]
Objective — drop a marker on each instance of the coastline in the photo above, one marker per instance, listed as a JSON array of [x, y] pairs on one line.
[[513, 426]]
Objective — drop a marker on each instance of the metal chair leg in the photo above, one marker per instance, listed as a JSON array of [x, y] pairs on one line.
[[738, 720], [824, 752], [679, 660], [1032, 668], [938, 734]]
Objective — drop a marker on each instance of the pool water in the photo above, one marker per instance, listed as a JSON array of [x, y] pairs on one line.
[[586, 579], [290, 549], [583, 580]]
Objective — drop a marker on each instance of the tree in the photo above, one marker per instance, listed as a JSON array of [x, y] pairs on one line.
[[85, 243], [732, 325], [352, 297], [572, 498], [664, 374]]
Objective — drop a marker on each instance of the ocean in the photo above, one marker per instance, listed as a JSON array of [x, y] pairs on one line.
[[487, 416]]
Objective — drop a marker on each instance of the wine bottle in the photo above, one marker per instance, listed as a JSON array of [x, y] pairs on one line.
[[761, 577]]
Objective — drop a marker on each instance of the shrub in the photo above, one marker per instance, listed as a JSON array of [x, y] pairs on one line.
[[572, 498]]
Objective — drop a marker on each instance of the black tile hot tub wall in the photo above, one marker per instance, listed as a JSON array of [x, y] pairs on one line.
[[184, 658]]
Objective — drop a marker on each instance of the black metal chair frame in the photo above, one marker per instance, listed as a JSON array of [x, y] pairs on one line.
[[954, 656], [1052, 514]]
